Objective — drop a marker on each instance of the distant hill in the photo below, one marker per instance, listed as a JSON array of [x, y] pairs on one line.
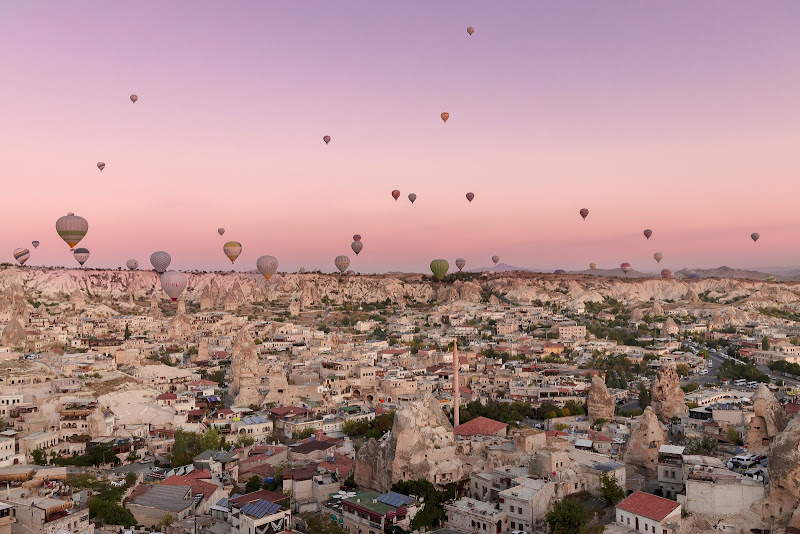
[[500, 268], [614, 272], [730, 272]]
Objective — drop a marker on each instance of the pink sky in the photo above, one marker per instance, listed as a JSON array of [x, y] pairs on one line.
[[682, 117]]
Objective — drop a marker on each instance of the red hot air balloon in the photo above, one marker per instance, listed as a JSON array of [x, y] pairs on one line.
[[584, 213], [666, 273], [326, 138], [625, 268], [470, 196], [357, 237], [395, 194], [648, 233], [134, 98]]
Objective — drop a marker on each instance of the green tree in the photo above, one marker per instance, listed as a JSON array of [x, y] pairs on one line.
[[303, 434], [242, 440], [322, 524], [39, 457], [253, 484], [127, 335], [734, 436], [691, 386], [644, 396], [130, 479], [567, 517], [611, 490], [210, 440], [765, 343], [682, 369], [166, 521]]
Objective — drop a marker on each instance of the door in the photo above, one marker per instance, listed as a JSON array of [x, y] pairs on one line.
[[637, 523]]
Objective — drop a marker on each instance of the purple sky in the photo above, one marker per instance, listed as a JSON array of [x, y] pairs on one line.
[[682, 117]]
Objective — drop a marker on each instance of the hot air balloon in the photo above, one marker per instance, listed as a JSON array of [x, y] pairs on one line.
[[593, 266], [220, 231], [412, 197], [559, 271], [35, 244], [754, 236], [132, 264], [22, 255], [134, 98], [357, 246], [648, 233], [771, 278], [267, 265], [173, 283], [341, 262], [81, 254], [584, 213], [495, 259], [357, 237], [460, 263], [396, 194], [160, 260], [232, 249], [72, 228], [470, 196], [694, 275], [326, 138], [658, 256], [101, 165], [439, 268], [470, 30], [666, 273], [350, 271], [625, 268], [445, 116]]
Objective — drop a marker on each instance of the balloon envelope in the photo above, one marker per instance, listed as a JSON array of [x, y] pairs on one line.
[[81, 254], [694, 275], [470, 196], [495, 259], [134, 98], [132, 264], [439, 268], [648, 233], [101, 165], [754, 236], [625, 267], [470, 30], [412, 197], [35, 244], [220, 231], [666, 273], [658, 256], [396, 194], [173, 283], [357, 246], [341, 262], [559, 271], [357, 237], [584, 213], [460, 263], [445, 116], [232, 249], [592, 266], [160, 260], [72, 228], [326, 138], [771, 278], [267, 265], [22, 255]]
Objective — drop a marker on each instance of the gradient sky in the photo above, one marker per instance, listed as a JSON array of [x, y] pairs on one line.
[[681, 116]]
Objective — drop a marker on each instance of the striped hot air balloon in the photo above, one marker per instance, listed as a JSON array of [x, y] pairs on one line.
[[439, 268], [666, 273], [22, 255], [326, 138], [267, 265], [341, 263], [470, 196], [584, 213], [81, 254], [232, 249], [101, 165], [160, 261], [445, 115], [132, 264], [658, 256], [72, 228], [173, 283], [625, 268], [460, 263], [771, 278], [648, 233]]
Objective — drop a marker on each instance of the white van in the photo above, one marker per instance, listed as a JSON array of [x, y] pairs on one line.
[[752, 385], [740, 382]]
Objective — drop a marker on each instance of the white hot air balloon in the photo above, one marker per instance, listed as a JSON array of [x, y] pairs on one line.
[[460, 263], [267, 265], [342, 263], [72, 228], [132, 264], [81, 254], [173, 283], [160, 261]]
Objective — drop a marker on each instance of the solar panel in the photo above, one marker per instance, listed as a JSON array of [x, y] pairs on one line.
[[260, 508], [395, 499]]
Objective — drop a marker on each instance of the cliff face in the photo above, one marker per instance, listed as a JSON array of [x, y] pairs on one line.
[[782, 505], [245, 371]]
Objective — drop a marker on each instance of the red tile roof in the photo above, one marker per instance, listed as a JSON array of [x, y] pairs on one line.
[[198, 486], [167, 396], [555, 433], [649, 506], [271, 496], [480, 426]]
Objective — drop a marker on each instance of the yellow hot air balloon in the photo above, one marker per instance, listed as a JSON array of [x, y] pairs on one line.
[[445, 116], [593, 266], [232, 249]]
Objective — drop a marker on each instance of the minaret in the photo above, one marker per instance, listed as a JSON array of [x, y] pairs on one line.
[[456, 387]]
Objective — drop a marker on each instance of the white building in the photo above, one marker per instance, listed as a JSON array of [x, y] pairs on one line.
[[648, 513]]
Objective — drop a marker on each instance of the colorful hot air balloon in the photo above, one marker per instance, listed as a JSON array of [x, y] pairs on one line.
[[134, 98], [460, 263], [495, 259], [160, 260], [341, 262], [35, 244], [72, 228], [22, 255], [648, 233], [81, 254], [666, 273], [658, 256], [396, 194], [101, 165], [132, 264], [445, 116], [412, 197], [173, 283], [593, 266], [584, 213], [559, 271], [326, 138], [754, 236], [220, 231], [470, 196], [470, 30], [439, 268], [357, 246], [694, 275], [357, 237], [232, 249], [625, 268], [771, 278], [267, 265]]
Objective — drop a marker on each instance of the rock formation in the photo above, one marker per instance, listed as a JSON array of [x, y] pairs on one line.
[[600, 404], [691, 295], [202, 351], [181, 306], [658, 309], [155, 310], [420, 445], [768, 421], [78, 301], [644, 441], [245, 371], [278, 388], [666, 395], [14, 335], [637, 315], [782, 504]]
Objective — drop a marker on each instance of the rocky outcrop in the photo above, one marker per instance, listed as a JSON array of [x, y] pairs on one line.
[[645, 439], [769, 420], [658, 309], [14, 335], [782, 505], [78, 301], [202, 351], [666, 395], [245, 371], [420, 445], [155, 310], [600, 404]]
